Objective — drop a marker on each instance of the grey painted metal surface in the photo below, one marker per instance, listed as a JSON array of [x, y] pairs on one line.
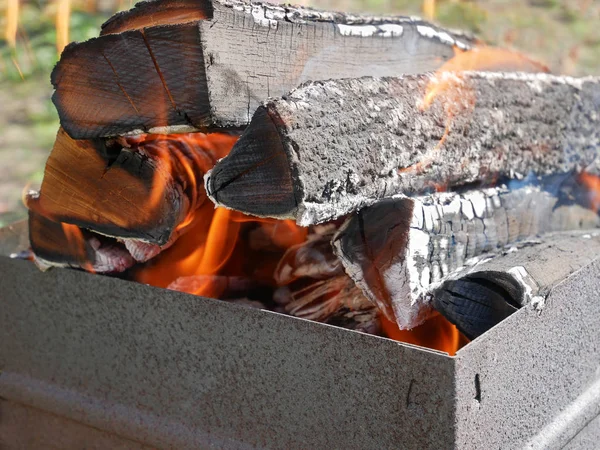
[[171, 370]]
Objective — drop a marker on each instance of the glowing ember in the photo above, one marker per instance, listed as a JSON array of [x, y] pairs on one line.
[[592, 184], [436, 333]]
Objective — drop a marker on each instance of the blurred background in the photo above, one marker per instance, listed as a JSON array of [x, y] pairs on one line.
[[564, 34]]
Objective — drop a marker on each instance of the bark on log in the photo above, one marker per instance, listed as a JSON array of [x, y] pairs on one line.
[[142, 192], [399, 249], [215, 72], [479, 297], [346, 144]]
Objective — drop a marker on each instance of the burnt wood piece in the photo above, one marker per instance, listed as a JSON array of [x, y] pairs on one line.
[[399, 249], [132, 82], [476, 303], [216, 72], [63, 245], [349, 143], [141, 188], [313, 285], [478, 298], [156, 13]]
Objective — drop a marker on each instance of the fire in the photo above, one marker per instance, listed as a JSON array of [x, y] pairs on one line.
[[591, 183], [448, 86], [485, 59], [77, 245], [217, 249], [437, 333]]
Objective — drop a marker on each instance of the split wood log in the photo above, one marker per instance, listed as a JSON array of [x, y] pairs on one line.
[[399, 249], [479, 297], [136, 189], [329, 148], [62, 245], [215, 72]]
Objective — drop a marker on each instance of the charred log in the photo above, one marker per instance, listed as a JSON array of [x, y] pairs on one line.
[[215, 72], [141, 188], [476, 303], [349, 143], [135, 81], [478, 298], [399, 249]]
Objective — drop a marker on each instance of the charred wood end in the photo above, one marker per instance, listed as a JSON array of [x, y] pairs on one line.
[[154, 13], [256, 177], [135, 81], [478, 302]]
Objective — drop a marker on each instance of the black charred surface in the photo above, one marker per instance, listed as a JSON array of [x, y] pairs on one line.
[[134, 80], [256, 177], [374, 239], [478, 302], [158, 12]]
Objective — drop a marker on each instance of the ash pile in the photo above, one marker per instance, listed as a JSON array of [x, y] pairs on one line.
[[378, 174]]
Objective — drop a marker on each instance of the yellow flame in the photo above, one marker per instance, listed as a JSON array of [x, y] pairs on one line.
[[63, 13]]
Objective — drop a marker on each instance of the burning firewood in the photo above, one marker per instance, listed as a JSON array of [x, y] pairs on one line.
[[140, 190], [154, 71], [399, 249], [329, 148], [313, 286], [480, 297], [64, 245]]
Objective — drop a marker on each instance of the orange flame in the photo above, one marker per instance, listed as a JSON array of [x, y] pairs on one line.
[[486, 59], [436, 333], [77, 245], [449, 88], [592, 183]]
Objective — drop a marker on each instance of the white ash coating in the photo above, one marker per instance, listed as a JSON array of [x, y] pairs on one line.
[[449, 232], [352, 142]]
